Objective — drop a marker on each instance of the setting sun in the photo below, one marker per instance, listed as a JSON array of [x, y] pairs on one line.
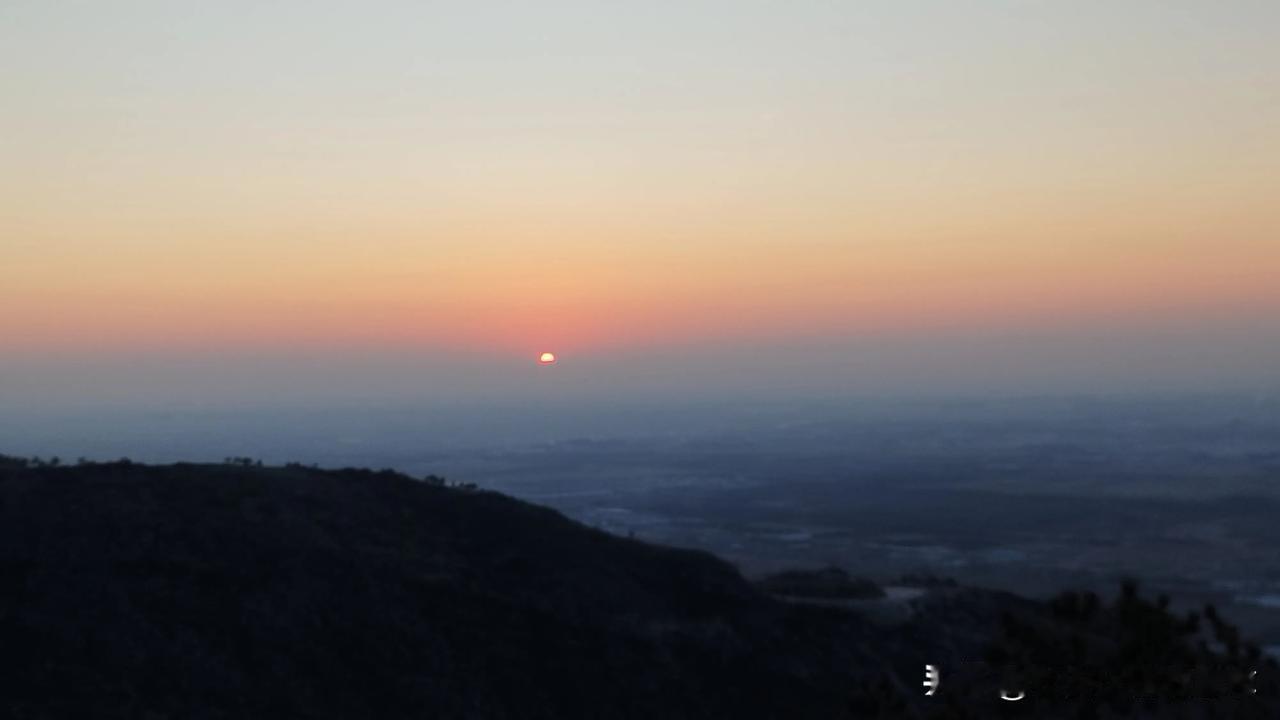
[[547, 358]]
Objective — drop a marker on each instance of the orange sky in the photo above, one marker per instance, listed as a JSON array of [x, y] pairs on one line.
[[513, 185]]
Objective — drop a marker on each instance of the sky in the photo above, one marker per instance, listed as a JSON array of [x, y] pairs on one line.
[[288, 200]]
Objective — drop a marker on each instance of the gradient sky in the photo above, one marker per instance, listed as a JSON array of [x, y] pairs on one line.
[[841, 187]]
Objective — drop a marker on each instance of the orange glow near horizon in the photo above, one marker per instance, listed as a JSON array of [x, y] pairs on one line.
[[596, 299]]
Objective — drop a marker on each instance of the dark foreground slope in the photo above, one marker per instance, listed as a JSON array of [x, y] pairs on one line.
[[230, 591]]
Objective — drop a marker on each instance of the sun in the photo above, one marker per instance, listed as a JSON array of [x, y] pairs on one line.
[[547, 358]]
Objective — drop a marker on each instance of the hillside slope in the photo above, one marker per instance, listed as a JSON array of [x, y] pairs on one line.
[[226, 591]]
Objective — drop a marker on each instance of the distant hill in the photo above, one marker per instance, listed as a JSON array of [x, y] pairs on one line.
[[236, 591]]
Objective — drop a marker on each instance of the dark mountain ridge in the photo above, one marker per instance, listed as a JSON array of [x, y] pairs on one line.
[[230, 590]]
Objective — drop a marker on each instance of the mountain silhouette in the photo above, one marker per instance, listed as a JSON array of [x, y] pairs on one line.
[[240, 591]]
